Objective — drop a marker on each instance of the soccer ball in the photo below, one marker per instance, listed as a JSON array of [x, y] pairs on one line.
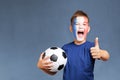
[[57, 56]]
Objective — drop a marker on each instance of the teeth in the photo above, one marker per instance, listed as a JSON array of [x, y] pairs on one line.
[[81, 31]]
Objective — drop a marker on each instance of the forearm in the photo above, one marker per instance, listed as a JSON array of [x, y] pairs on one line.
[[104, 55]]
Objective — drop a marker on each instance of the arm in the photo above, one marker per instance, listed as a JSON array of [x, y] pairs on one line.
[[44, 65]]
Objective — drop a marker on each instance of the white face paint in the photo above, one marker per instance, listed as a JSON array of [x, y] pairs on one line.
[[80, 28]]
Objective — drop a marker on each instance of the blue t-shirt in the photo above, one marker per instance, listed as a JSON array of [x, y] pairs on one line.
[[80, 64]]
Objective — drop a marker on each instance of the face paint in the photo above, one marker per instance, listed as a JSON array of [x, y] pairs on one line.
[[80, 28], [74, 28]]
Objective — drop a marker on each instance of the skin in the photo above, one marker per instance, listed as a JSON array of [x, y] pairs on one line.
[[80, 24]]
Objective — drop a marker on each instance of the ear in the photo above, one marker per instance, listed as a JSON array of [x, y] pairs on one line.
[[88, 29], [70, 28]]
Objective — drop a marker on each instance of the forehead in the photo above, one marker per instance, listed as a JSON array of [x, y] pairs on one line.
[[81, 19]]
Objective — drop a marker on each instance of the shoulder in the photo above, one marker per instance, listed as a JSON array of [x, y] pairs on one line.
[[67, 45]]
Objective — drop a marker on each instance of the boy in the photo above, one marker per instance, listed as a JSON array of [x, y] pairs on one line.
[[81, 53]]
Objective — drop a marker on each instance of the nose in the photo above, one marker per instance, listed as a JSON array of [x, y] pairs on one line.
[[81, 27]]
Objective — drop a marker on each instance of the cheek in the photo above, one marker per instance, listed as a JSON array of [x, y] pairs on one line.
[[74, 29], [74, 26], [86, 31]]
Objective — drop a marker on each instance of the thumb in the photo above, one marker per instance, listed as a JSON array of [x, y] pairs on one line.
[[96, 42]]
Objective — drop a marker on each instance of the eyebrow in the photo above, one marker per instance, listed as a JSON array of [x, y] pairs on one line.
[[85, 22]]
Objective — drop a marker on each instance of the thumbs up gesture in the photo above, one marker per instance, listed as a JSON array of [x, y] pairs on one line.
[[96, 51]]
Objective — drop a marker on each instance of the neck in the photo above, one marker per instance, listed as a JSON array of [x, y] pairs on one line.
[[79, 42]]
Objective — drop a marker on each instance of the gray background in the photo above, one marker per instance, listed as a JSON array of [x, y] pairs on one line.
[[28, 27]]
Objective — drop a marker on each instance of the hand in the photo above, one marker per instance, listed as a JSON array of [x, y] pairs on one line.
[[96, 51], [44, 63]]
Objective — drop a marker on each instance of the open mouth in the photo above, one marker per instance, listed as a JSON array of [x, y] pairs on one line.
[[80, 32]]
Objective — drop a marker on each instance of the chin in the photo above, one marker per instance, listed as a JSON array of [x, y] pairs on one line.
[[80, 39]]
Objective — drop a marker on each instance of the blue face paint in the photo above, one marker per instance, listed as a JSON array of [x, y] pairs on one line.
[[74, 28]]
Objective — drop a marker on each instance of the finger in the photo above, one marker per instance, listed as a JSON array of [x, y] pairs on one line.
[[48, 63], [47, 67], [95, 57], [94, 50], [47, 58], [41, 55], [94, 54], [96, 42]]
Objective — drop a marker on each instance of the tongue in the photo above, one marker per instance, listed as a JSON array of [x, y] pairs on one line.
[[80, 34]]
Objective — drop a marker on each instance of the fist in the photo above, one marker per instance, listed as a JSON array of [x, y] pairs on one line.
[[95, 51]]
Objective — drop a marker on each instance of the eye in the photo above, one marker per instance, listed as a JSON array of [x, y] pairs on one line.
[[84, 24], [77, 24]]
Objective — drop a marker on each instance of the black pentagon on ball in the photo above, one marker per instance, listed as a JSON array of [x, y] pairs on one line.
[[64, 55], [53, 58], [60, 67], [43, 55], [53, 48]]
